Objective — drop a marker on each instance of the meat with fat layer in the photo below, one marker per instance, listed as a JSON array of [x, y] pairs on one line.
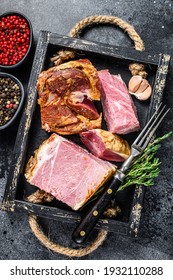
[[118, 108], [106, 145], [67, 171], [66, 94]]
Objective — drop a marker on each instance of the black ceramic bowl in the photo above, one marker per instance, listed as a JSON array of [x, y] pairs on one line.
[[16, 113], [29, 49]]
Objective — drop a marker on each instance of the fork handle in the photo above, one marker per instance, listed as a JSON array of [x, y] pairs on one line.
[[88, 222]]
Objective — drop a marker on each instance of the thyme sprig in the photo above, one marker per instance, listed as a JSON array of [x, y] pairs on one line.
[[145, 169]]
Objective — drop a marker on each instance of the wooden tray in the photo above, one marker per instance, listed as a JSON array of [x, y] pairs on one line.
[[30, 135]]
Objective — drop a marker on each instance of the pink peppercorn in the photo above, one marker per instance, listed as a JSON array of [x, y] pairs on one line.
[[14, 39]]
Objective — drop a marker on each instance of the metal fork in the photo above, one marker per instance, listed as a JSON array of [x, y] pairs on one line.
[[88, 222]]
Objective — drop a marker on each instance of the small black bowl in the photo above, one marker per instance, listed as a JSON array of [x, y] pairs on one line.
[[29, 50], [18, 110]]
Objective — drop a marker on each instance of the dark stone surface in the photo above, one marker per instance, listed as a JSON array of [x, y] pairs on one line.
[[153, 21]]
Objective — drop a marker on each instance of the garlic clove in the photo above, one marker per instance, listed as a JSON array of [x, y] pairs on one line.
[[143, 86], [139, 87], [145, 94], [134, 83]]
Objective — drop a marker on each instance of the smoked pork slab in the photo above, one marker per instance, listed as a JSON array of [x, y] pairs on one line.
[[67, 171], [118, 107], [66, 97], [106, 145]]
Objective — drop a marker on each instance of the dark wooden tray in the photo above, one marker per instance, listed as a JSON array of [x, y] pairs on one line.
[[30, 135]]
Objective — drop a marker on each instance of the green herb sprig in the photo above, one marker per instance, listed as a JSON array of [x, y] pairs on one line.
[[145, 169]]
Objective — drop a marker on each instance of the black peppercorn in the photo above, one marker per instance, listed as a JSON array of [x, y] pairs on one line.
[[10, 96]]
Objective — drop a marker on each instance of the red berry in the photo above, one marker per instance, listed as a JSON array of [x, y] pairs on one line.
[[15, 30]]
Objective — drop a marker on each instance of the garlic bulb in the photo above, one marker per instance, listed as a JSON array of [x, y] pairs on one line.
[[139, 87]]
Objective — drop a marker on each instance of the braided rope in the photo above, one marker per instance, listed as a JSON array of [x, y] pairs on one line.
[[135, 68], [33, 222], [106, 19]]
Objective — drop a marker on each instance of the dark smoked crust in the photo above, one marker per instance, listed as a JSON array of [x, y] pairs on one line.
[[57, 113], [31, 164], [90, 71], [83, 124]]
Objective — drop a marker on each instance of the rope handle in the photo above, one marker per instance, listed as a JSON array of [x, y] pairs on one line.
[[35, 227], [136, 69]]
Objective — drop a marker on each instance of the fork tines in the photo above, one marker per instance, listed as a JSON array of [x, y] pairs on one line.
[[148, 131]]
